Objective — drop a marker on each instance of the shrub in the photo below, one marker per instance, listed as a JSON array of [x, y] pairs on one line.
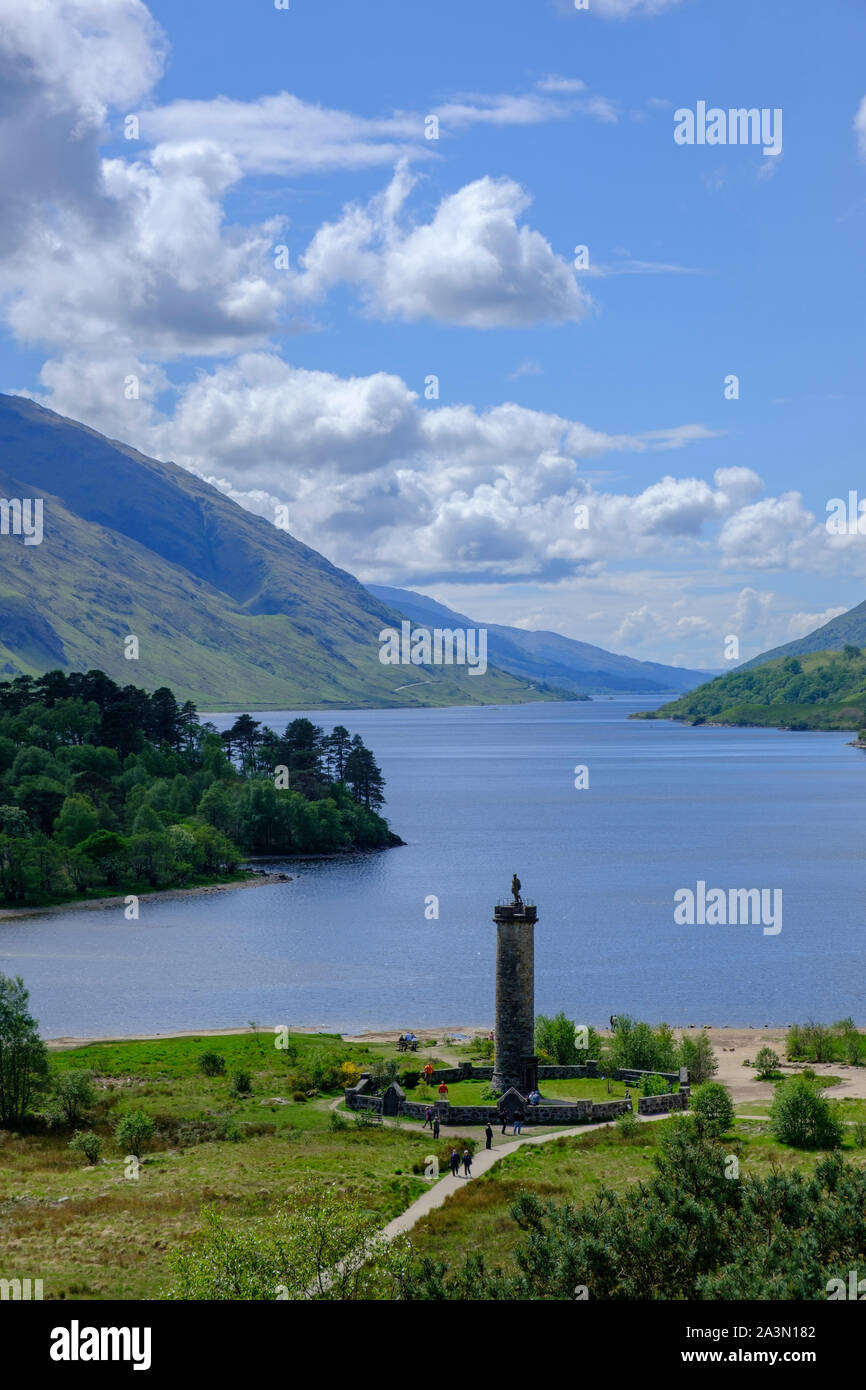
[[299, 1095], [133, 1131], [802, 1117], [350, 1073], [230, 1130], [320, 1240], [859, 1129], [74, 1094], [23, 1059], [336, 1121], [654, 1085], [212, 1064], [242, 1082], [638, 1047], [697, 1054], [628, 1124], [409, 1080], [383, 1072], [87, 1143], [712, 1104], [555, 1037], [767, 1063]]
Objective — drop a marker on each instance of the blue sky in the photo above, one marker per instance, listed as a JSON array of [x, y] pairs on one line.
[[154, 259]]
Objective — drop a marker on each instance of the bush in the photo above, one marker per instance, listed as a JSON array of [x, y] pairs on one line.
[[383, 1072], [697, 1054], [638, 1047], [299, 1095], [74, 1094], [859, 1129], [350, 1074], [654, 1085], [231, 1131], [555, 1037], [23, 1059], [767, 1063], [242, 1082], [628, 1124], [133, 1131], [212, 1064], [321, 1240], [712, 1104], [409, 1080], [336, 1121], [87, 1143], [802, 1117]]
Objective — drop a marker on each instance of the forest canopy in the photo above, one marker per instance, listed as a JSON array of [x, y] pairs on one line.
[[108, 788]]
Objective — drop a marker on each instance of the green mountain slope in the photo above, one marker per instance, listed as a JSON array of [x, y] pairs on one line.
[[849, 627], [229, 611], [824, 690]]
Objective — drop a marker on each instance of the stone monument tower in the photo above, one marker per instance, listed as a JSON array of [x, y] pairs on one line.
[[515, 1063]]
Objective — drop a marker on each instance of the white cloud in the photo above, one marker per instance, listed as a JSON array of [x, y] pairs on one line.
[[800, 624], [474, 263], [393, 489], [283, 134]]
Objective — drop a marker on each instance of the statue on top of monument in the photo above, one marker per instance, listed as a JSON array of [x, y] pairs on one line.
[[515, 891]]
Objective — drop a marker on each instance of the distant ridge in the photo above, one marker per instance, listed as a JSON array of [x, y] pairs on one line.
[[848, 628], [547, 656]]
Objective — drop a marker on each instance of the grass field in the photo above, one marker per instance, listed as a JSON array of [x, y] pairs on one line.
[[96, 1232], [92, 1232], [477, 1217]]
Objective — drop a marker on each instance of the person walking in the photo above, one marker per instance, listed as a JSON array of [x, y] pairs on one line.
[[428, 1116], [488, 1134], [467, 1163], [435, 1126], [455, 1163], [428, 1073]]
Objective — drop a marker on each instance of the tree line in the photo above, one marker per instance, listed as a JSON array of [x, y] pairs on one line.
[[111, 787]]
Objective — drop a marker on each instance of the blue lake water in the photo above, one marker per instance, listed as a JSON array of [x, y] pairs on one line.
[[479, 794]]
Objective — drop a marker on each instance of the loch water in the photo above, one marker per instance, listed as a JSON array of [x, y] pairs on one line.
[[478, 794]]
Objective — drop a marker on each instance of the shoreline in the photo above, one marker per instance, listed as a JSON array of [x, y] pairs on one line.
[[734, 1047], [425, 1035], [256, 880]]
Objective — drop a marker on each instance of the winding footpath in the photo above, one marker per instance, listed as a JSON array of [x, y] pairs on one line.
[[483, 1160]]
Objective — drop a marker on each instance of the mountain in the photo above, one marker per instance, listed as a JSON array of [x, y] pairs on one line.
[[821, 690], [848, 628], [229, 610], [549, 657]]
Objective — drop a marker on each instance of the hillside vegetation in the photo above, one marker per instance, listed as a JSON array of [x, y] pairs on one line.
[[230, 611], [104, 789], [824, 690]]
